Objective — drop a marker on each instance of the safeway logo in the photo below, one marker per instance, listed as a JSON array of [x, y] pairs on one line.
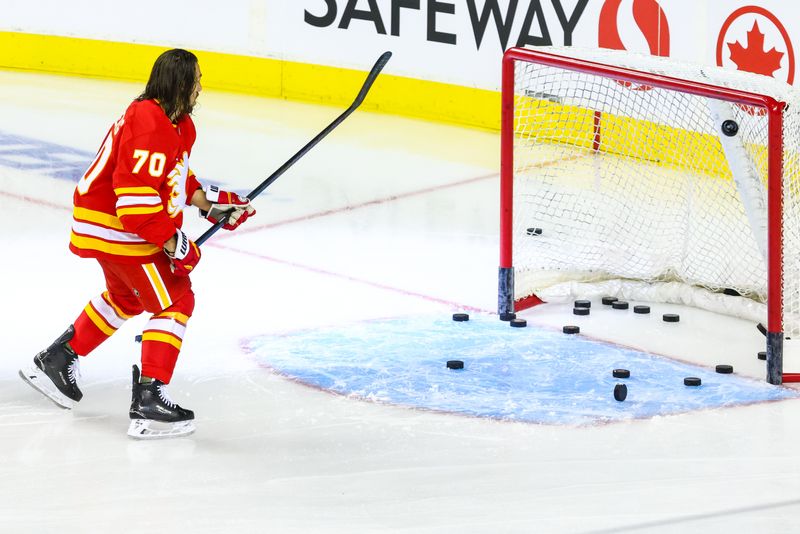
[[753, 39], [648, 18]]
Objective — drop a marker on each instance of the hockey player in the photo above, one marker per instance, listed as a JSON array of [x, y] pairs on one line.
[[127, 216]]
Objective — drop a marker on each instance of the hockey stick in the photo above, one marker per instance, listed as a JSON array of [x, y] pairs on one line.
[[362, 94]]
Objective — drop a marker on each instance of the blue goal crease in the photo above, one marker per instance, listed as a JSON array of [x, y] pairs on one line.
[[528, 374]]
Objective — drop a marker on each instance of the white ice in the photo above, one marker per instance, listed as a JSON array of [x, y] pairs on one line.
[[386, 217]]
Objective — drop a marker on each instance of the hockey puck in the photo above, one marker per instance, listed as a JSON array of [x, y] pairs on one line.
[[534, 231], [460, 317], [641, 309], [608, 301], [138, 339], [455, 364], [518, 323], [619, 305], [691, 381], [583, 303], [580, 311], [621, 373], [671, 317], [724, 369], [620, 392], [730, 127], [571, 329], [762, 355], [508, 316], [762, 328]]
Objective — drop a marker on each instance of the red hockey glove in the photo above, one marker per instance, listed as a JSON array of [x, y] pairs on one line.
[[186, 255], [225, 202]]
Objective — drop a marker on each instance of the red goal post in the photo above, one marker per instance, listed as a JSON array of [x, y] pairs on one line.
[[621, 89]]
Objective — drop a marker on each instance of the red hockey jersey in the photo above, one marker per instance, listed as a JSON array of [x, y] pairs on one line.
[[130, 200]]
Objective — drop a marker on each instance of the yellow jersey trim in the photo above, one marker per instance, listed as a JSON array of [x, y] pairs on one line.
[[142, 190], [139, 210], [97, 217], [117, 249], [163, 338]]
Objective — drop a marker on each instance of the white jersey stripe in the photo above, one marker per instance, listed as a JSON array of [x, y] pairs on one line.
[[106, 234], [107, 312], [131, 200], [163, 324]]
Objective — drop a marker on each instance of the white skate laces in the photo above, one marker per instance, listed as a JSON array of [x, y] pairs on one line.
[[164, 396], [74, 371]]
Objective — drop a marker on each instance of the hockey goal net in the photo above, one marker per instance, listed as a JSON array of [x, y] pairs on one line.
[[647, 179]]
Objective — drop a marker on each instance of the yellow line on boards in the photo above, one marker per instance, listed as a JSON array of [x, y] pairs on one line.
[[441, 102]]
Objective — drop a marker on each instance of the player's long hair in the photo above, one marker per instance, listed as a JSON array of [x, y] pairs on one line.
[[171, 82]]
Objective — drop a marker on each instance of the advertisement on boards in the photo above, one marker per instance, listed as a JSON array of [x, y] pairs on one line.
[[451, 41], [461, 41]]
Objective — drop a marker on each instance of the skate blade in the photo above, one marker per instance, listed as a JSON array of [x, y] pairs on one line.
[[41, 383], [149, 429]]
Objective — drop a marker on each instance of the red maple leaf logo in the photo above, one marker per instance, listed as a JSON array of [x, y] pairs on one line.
[[753, 58]]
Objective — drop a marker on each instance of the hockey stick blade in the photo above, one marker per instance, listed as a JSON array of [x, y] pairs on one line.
[[362, 94]]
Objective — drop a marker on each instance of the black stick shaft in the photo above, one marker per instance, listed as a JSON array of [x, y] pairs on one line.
[[362, 94]]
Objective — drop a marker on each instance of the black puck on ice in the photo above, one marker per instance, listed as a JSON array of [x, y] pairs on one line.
[[583, 303], [621, 373], [455, 364], [518, 323], [580, 311], [619, 305], [641, 309], [762, 355], [671, 317], [724, 369], [138, 339], [620, 392], [508, 316], [608, 301], [460, 317], [534, 231], [691, 381], [571, 329]]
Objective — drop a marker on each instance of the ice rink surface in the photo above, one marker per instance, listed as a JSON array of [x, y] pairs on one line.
[[386, 218]]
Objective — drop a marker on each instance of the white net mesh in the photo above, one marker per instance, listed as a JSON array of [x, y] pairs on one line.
[[638, 185]]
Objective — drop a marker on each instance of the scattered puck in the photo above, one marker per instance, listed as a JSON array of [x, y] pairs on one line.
[[619, 305], [508, 316], [620, 392], [731, 292], [580, 311], [724, 369], [571, 329], [671, 318], [455, 364], [621, 373], [583, 303], [762, 328], [762, 355], [730, 127], [460, 317], [641, 309], [691, 381], [534, 231], [518, 323], [609, 300], [138, 339]]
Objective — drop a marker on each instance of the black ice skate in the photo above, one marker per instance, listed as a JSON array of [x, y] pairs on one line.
[[154, 415], [55, 372]]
